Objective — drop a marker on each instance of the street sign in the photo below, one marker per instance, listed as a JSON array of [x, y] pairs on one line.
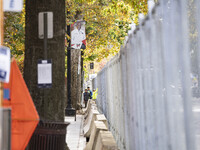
[[13, 5], [44, 74], [49, 25], [4, 64]]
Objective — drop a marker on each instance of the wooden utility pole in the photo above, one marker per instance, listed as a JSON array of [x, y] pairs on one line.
[[1, 44]]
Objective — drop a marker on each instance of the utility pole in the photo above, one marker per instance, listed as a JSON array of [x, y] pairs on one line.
[[1, 44]]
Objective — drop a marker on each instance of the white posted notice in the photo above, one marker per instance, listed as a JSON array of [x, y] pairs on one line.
[[44, 72], [13, 5], [4, 64]]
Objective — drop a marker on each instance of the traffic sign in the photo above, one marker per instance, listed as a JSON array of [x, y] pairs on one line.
[[13, 5], [4, 64], [24, 115]]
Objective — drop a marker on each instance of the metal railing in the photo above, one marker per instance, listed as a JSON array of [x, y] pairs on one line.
[[49, 136], [145, 91]]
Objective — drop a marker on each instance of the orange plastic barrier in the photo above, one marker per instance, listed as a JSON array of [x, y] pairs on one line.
[[23, 112]]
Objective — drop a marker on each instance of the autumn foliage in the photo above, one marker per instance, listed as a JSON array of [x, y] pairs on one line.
[[107, 24]]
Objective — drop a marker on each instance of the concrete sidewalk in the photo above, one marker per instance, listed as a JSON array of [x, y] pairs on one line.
[[75, 139]]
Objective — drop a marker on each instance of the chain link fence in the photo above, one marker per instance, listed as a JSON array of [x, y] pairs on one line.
[[146, 91]]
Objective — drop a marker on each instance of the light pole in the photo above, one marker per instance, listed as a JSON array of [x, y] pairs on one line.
[[69, 111]]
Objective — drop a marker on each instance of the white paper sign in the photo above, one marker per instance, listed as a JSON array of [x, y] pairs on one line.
[[13, 5], [44, 73], [4, 64]]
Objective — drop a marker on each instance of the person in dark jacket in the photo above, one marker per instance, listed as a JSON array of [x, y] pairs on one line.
[[86, 97], [89, 91]]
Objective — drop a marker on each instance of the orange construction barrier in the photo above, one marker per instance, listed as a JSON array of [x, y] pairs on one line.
[[23, 112]]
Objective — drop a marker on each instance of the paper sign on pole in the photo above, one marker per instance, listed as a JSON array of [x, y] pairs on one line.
[[4, 64], [13, 5], [44, 74]]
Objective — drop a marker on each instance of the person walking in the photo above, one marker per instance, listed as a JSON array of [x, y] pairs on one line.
[[86, 96], [89, 91]]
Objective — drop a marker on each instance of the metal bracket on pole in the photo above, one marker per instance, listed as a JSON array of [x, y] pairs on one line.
[[45, 35]]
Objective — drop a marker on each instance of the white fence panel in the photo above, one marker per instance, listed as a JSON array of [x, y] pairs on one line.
[[145, 90]]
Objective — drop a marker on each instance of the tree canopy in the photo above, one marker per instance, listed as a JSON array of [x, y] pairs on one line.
[[14, 35], [107, 24]]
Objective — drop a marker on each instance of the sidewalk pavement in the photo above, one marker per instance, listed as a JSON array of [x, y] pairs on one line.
[[75, 138]]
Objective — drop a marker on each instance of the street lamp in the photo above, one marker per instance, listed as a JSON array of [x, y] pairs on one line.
[[69, 111]]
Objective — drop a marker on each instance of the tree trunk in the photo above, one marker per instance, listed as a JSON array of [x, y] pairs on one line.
[[50, 103], [76, 78]]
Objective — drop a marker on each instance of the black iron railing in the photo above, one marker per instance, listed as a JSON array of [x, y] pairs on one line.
[[48, 136]]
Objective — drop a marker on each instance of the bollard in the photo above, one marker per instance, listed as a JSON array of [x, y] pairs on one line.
[[5, 129]]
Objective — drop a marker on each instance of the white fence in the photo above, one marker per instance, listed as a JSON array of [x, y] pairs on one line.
[[145, 90]]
